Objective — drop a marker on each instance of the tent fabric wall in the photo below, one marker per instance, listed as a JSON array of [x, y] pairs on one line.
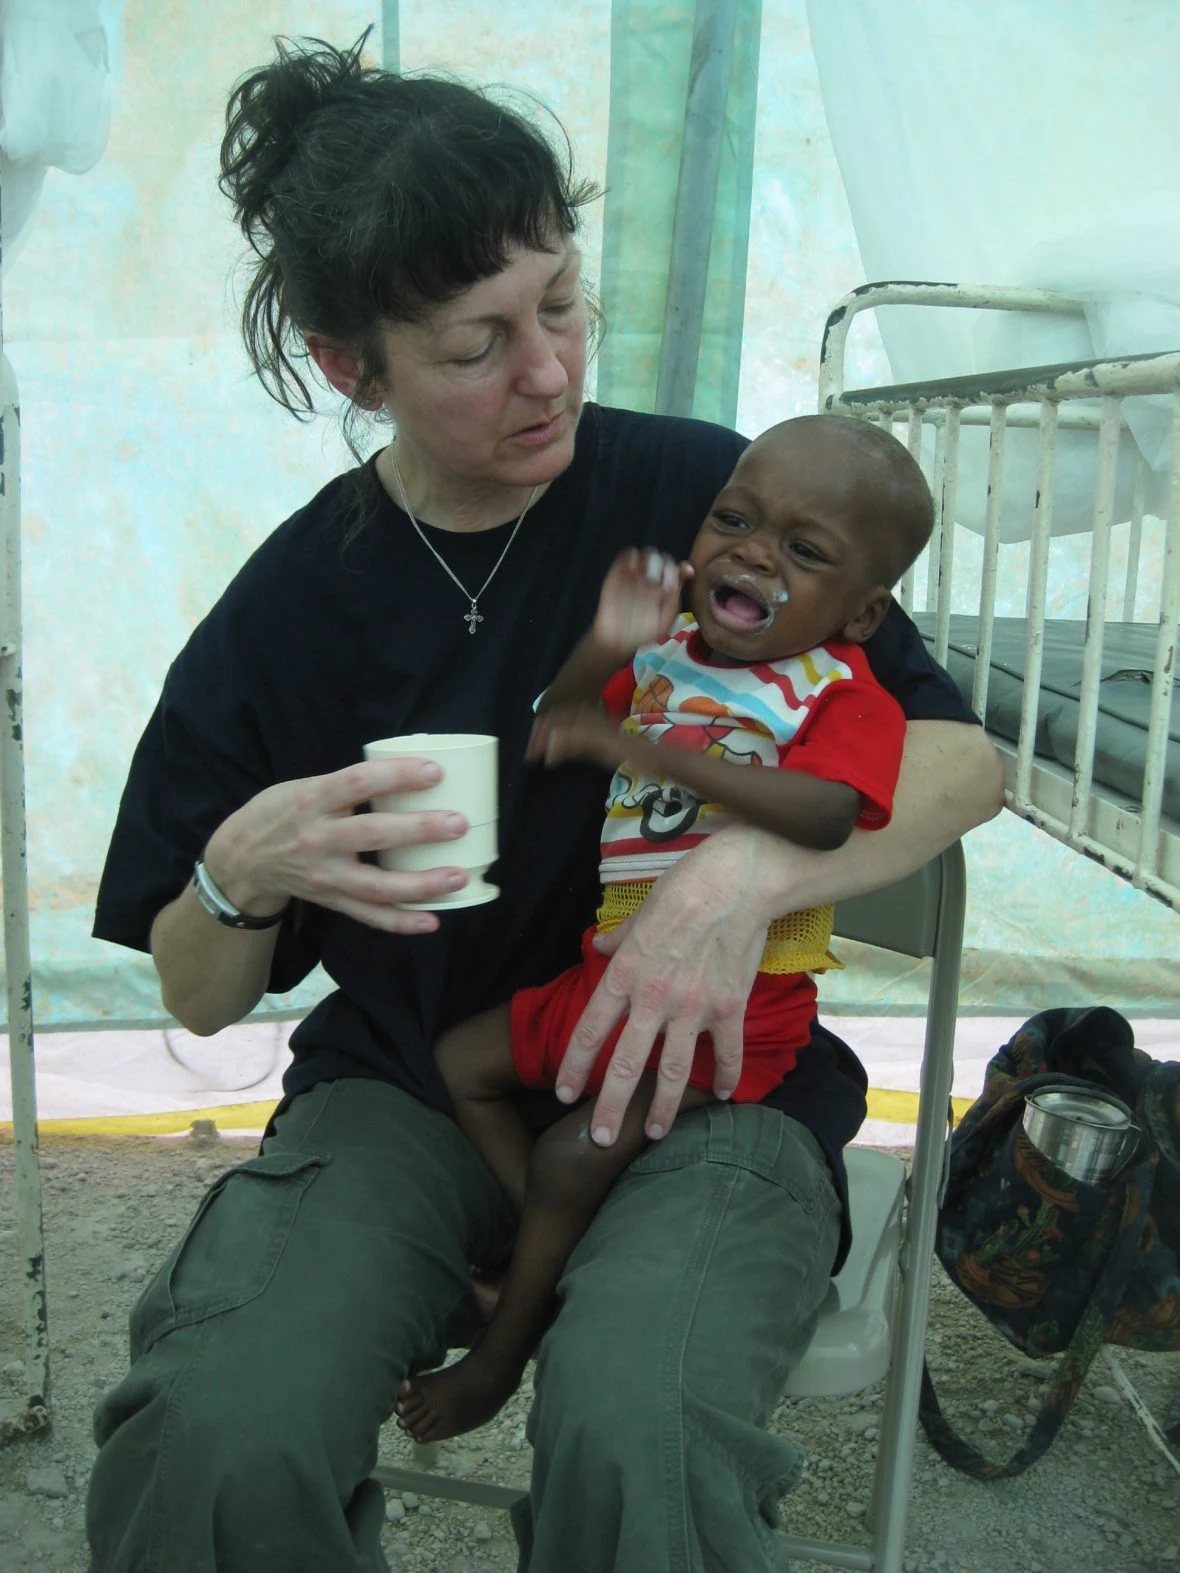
[[655, 212], [153, 464]]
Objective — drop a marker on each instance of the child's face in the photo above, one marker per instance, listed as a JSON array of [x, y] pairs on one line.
[[781, 562]]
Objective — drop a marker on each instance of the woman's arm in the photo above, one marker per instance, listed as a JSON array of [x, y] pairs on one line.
[[297, 840], [684, 963]]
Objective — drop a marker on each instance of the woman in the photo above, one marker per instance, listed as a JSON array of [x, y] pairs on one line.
[[418, 243]]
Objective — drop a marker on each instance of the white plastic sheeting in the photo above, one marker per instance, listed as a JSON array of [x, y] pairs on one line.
[[55, 105], [1009, 143], [157, 1082]]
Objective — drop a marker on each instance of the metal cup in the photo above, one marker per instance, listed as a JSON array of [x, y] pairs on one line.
[[1088, 1134]]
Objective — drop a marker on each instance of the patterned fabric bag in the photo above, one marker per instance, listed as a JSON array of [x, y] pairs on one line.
[[1057, 1265]]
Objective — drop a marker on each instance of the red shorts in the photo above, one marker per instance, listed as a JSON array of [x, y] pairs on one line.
[[778, 1021]]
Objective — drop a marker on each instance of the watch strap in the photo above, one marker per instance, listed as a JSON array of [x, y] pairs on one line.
[[220, 907]]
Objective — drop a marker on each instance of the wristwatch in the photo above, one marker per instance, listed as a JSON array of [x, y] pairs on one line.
[[221, 908]]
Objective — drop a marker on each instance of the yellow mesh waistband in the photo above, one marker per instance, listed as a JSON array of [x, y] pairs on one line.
[[797, 942]]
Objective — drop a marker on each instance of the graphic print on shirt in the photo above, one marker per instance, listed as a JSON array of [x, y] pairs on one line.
[[683, 699], [666, 809]]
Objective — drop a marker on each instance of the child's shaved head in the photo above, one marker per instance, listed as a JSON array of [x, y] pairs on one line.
[[899, 515]]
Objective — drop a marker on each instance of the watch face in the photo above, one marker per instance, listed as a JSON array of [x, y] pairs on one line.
[[224, 911], [203, 897], [213, 901]]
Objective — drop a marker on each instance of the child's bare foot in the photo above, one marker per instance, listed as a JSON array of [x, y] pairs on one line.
[[446, 1403]]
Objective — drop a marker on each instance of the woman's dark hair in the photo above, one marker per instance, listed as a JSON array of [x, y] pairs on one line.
[[369, 198]]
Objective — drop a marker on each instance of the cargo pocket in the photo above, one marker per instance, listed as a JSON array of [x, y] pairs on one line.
[[231, 1249]]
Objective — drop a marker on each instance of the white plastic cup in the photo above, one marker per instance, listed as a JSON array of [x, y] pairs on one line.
[[468, 761]]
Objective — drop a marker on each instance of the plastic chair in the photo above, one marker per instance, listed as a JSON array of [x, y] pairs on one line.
[[873, 1322]]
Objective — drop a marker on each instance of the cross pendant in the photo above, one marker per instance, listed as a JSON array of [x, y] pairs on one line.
[[472, 617]]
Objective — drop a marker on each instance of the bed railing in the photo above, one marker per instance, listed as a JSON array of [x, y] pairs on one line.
[[1128, 831]]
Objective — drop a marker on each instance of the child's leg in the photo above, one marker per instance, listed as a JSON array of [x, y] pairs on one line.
[[568, 1177], [475, 1061]]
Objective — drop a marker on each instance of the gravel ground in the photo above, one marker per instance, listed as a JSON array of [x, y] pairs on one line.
[[1103, 1499]]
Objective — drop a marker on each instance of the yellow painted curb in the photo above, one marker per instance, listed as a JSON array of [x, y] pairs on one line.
[[173, 1122], [901, 1108], [889, 1105]]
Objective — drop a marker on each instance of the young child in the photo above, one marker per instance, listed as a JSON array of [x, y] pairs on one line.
[[758, 705]]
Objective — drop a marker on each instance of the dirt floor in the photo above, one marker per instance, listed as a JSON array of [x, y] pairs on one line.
[[1103, 1500]]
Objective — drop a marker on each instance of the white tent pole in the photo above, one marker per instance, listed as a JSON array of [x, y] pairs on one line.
[[14, 868], [391, 48], [696, 200]]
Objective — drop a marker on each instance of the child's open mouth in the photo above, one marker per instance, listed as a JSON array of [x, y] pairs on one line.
[[740, 607]]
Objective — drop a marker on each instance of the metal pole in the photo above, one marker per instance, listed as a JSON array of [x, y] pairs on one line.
[[696, 203], [944, 563], [391, 42], [991, 556], [1163, 674], [14, 868], [1038, 578], [1135, 540], [905, 590], [1104, 494]]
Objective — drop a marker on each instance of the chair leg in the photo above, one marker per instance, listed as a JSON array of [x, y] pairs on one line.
[[882, 1474], [885, 1466]]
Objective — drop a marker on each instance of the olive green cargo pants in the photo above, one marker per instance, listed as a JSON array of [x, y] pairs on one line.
[[268, 1351]]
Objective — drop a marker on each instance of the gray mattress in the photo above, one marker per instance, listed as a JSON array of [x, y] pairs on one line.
[[1128, 654]]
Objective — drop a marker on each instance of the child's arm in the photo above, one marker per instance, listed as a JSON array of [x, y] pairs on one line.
[[638, 603], [804, 809]]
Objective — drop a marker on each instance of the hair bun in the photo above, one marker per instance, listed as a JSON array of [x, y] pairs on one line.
[[267, 113]]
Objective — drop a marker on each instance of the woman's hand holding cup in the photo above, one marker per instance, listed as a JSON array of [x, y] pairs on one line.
[[469, 762], [304, 839]]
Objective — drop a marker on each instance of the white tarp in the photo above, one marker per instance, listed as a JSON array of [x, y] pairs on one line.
[[55, 106], [155, 1082], [1009, 143]]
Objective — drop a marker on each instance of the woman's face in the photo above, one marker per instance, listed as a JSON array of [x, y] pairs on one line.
[[489, 387]]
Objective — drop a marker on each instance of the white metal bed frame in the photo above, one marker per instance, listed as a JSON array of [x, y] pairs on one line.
[[1135, 838]]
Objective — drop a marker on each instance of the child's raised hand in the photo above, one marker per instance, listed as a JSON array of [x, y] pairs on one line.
[[583, 732], [640, 599]]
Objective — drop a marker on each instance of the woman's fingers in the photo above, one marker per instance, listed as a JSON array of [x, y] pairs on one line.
[[347, 880], [387, 910], [681, 966], [652, 1014], [638, 986], [380, 832], [390, 920], [675, 1067], [342, 880], [607, 1005], [303, 839], [348, 788], [728, 1050]]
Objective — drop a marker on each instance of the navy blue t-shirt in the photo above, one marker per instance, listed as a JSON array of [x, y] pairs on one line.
[[329, 637]]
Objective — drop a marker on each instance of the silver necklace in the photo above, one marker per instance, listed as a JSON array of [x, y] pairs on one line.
[[474, 616]]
